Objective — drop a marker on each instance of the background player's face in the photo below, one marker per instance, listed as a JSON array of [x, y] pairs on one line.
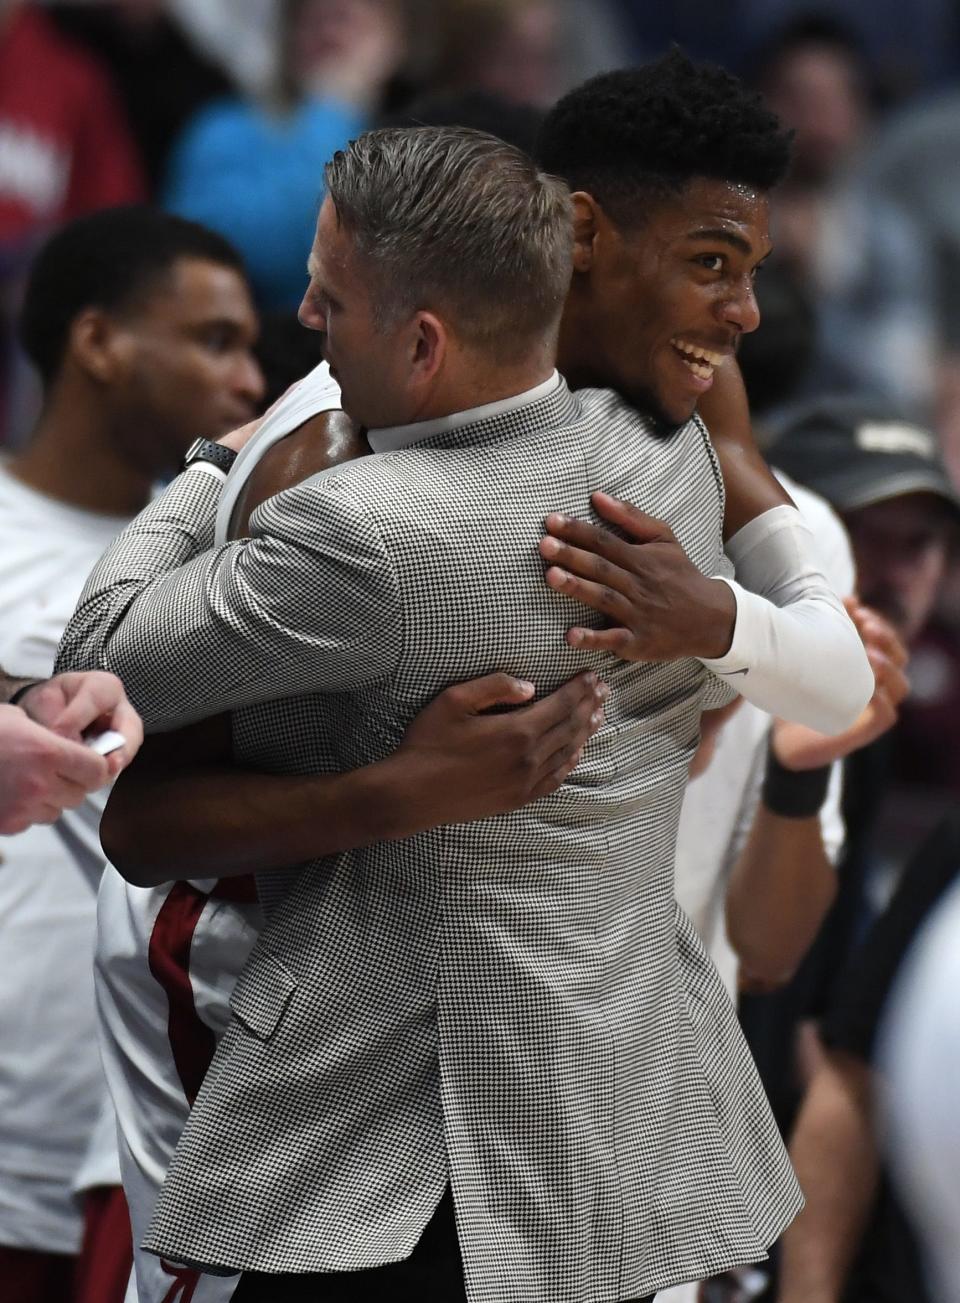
[[670, 298], [188, 365]]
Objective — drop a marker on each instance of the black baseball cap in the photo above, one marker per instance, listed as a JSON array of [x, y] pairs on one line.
[[855, 452]]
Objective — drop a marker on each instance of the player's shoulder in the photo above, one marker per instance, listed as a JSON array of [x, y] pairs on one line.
[[604, 404]]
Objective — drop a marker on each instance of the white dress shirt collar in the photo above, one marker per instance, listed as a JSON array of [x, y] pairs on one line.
[[391, 438]]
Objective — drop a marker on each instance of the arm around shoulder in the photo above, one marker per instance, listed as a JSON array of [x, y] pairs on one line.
[[309, 603]]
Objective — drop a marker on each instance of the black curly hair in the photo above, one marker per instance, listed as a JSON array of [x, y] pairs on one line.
[[634, 137]]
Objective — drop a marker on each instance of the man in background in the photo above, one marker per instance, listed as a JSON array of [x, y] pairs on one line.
[[851, 1242], [141, 327]]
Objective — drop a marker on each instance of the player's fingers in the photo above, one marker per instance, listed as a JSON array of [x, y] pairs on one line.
[[555, 778], [608, 601], [584, 693], [590, 538], [633, 521], [570, 734], [598, 569], [477, 695], [618, 641]]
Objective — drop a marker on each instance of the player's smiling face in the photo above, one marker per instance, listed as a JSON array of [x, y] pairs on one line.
[[670, 298]]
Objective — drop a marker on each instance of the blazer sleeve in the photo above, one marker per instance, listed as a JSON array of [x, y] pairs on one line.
[[309, 603]]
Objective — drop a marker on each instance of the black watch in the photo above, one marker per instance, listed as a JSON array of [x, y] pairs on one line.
[[206, 450]]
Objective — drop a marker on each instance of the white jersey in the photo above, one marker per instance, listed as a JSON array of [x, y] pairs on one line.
[[720, 804], [51, 1086], [167, 960]]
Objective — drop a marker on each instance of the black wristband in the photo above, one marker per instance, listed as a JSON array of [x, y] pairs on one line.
[[794, 793]]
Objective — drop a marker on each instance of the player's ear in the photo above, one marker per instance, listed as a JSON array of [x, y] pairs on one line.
[[96, 344], [587, 217]]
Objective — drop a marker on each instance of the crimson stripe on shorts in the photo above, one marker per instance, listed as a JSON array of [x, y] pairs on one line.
[[191, 1040], [192, 1043]]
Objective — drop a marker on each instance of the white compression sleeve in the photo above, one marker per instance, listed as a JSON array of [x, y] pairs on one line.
[[795, 651]]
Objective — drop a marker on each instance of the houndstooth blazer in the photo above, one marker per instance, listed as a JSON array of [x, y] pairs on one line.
[[513, 1006]]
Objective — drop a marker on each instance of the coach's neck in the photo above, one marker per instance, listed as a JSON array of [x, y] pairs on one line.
[[469, 375]]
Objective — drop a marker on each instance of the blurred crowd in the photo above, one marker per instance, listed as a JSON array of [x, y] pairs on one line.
[[224, 112]]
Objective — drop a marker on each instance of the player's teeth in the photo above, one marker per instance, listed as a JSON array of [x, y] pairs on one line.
[[694, 351]]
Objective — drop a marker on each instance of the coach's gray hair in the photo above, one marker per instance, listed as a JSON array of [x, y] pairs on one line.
[[450, 218]]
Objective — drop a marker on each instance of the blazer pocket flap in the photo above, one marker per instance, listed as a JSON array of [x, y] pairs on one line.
[[262, 994]]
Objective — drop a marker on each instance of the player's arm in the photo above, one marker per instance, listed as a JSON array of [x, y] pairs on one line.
[[779, 634], [834, 1153], [783, 881], [750, 486], [185, 809], [309, 603]]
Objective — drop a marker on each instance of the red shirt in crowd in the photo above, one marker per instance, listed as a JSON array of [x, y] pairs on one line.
[[64, 145]]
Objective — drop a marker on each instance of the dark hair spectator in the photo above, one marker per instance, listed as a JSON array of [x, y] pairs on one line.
[[108, 260]]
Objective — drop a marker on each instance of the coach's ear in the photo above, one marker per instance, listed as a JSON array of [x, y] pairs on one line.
[[429, 345], [587, 216]]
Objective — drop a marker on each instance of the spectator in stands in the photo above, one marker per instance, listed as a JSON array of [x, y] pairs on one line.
[[253, 170], [160, 75], [854, 1242], [141, 326], [886, 480], [65, 149], [913, 163], [869, 271]]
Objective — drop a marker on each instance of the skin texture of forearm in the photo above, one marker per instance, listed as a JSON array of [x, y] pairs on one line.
[[834, 1154], [780, 889], [220, 821]]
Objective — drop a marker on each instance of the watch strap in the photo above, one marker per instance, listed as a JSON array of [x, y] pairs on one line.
[[207, 450]]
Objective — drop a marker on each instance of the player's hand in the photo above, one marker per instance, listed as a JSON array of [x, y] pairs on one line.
[[462, 764], [797, 747], [659, 606], [41, 773], [87, 702]]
